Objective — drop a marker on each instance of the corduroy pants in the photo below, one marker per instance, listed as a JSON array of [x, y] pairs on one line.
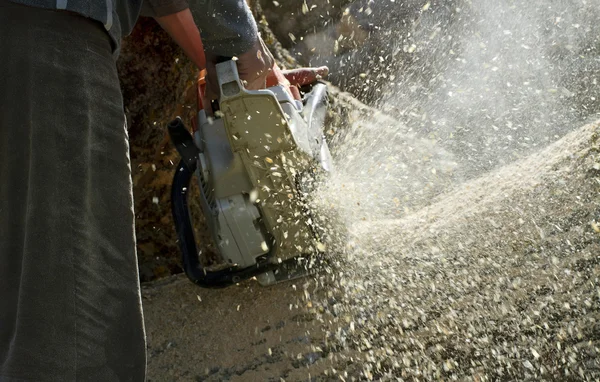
[[70, 305]]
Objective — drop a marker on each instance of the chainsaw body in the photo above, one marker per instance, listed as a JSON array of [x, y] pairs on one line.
[[254, 162]]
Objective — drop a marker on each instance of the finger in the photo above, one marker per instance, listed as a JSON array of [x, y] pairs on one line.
[[295, 92], [256, 84], [305, 76], [276, 77]]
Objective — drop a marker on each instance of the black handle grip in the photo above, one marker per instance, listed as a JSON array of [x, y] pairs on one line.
[[187, 242], [220, 59], [184, 142]]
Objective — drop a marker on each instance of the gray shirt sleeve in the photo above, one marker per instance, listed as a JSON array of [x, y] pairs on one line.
[[159, 8], [227, 26]]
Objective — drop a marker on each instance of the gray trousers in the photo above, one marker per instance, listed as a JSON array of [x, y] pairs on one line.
[[70, 304]]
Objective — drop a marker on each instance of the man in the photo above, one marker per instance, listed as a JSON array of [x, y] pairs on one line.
[[70, 306]]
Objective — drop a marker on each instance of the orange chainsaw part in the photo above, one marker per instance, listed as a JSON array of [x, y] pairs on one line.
[[200, 93]]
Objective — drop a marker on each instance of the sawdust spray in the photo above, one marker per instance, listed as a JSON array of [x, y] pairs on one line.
[[488, 83]]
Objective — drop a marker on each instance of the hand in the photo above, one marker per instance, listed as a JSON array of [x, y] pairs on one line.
[[253, 68], [295, 78], [257, 70]]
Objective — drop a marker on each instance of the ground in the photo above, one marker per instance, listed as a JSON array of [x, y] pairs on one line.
[[497, 279], [445, 275]]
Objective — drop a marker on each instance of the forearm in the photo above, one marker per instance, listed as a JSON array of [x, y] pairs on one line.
[[182, 29]]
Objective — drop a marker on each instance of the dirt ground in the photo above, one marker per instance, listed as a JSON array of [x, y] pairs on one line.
[[496, 280], [244, 333]]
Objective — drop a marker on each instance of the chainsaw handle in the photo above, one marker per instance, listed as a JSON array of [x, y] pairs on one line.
[[220, 59], [183, 141], [187, 242]]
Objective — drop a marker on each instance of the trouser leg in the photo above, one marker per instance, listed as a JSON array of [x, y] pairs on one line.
[[69, 291]]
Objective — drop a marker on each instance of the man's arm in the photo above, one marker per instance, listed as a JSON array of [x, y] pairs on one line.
[[182, 29], [175, 17], [256, 65]]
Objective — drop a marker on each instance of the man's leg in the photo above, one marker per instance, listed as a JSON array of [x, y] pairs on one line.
[[69, 291]]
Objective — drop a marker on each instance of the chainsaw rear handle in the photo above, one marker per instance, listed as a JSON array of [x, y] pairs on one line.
[[184, 143], [181, 215]]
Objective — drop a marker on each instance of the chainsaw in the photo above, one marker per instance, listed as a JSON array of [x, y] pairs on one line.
[[256, 155]]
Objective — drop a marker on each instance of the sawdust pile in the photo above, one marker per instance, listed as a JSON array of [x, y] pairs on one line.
[[498, 279], [495, 280], [469, 247]]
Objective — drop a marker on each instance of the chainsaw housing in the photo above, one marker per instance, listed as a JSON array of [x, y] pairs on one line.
[[254, 162]]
